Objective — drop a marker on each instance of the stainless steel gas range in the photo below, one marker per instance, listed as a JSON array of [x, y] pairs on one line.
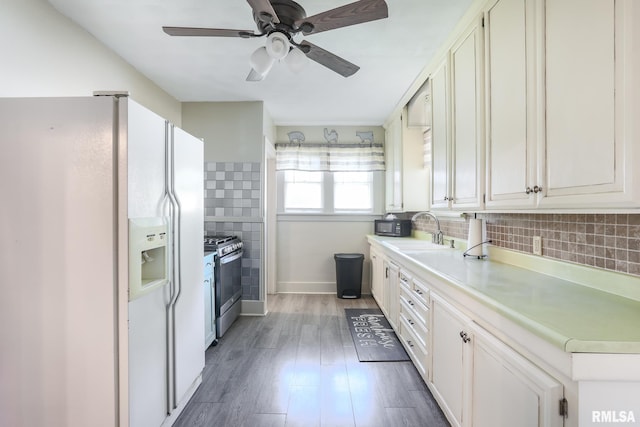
[[228, 283]]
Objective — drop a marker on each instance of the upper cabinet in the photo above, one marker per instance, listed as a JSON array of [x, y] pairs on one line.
[[440, 135], [467, 139], [512, 76], [393, 164], [559, 104], [535, 106], [457, 117], [591, 104], [407, 178]]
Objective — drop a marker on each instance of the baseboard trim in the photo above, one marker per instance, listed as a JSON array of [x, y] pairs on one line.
[[253, 308], [315, 288], [306, 287]]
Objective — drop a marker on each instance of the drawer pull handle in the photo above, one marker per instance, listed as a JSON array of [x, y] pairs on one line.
[[411, 322], [418, 291], [464, 336], [409, 343], [410, 303]]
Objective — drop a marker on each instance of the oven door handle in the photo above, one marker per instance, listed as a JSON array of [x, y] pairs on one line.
[[228, 258]]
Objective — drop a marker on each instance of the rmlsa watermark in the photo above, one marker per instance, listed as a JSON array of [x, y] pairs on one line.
[[613, 417]]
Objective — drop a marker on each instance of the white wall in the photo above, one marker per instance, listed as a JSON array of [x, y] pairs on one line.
[[232, 131], [46, 54], [306, 244], [305, 253]]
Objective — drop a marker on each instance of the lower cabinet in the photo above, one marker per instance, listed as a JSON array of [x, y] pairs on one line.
[[477, 379], [390, 299], [209, 301], [452, 358], [377, 273], [481, 382], [508, 390]]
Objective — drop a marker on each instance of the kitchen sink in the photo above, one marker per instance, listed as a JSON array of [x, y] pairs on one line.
[[413, 246]]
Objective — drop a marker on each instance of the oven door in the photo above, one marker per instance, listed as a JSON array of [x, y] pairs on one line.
[[228, 282]]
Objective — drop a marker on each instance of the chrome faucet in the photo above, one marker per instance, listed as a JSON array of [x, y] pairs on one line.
[[437, 237]]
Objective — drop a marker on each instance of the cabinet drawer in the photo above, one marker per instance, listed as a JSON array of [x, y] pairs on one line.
[[421, 292], [420, 312], [418, 327], [415, 349]]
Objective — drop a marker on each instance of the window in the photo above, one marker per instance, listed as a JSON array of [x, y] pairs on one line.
[[353, 191], [303, 190], [329, 192]]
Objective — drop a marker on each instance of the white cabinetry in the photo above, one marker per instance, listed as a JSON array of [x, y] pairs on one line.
[[477, 379], [451, 360], [209, 301], [513, 75], [377, 273], [508, 390], [561, 102], [457, 136], [591, 103], [467, 139], [440, 135], [481, 382], [407, 178], [393, 164], [414, 321], [391, 301]]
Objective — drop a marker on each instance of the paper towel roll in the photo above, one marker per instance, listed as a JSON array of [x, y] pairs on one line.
[[476, 227]]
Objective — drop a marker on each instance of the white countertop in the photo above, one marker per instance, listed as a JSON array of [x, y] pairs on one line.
[[573, 317]]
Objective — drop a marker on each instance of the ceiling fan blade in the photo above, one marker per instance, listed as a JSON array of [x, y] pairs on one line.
[[254, 76], [328, 59], [343, 16], [207, 32], [264, 11]]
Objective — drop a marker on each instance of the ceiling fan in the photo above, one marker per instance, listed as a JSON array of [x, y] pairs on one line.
[[281, 20]]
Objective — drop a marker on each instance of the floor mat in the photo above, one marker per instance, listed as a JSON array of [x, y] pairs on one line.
[[373, 337]]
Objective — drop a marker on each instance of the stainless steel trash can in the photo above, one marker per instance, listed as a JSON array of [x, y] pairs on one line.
[[349, 275]]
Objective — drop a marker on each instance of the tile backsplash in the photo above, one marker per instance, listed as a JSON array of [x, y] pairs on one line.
[[232, 206], [232, 189], [608, 241]]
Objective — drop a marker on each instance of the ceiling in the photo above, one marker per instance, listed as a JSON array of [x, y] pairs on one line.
[[391, 53]]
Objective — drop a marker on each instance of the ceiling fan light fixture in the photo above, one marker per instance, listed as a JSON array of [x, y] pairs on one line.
[[296, 60], [277, 45], [261, 61]]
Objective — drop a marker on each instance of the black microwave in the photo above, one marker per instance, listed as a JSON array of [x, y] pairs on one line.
[[392, 227]]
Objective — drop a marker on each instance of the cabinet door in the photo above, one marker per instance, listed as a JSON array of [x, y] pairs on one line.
[[511, 79], [508, 390], [591, 97], [392, 295], [440, 154], [467, 169], [451, 354], [393, 162], [415, 176], [377, 272], [209, 302]]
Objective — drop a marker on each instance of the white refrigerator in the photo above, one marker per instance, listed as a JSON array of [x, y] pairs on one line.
[[101, 272]]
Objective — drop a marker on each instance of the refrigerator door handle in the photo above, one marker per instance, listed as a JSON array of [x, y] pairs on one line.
[[176, 222], [170, 324]]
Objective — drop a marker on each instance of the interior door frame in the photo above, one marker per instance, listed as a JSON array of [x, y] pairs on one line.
[[270, 219]]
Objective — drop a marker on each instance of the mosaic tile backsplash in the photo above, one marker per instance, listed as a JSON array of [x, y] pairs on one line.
[[232, 190], [608, 241]]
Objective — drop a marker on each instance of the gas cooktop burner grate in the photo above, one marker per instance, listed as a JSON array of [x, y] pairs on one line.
[[215, 242]]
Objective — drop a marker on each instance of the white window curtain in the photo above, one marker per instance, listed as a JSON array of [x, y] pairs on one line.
[[331, 157]]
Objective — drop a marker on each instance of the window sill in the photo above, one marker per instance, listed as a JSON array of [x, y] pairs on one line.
[[319, 217]]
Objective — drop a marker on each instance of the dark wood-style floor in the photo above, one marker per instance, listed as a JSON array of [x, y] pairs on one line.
[[297, 366]]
